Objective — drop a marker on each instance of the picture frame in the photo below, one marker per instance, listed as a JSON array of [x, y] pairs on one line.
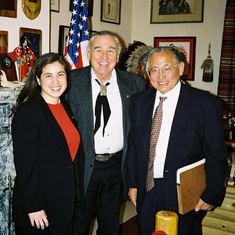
[[3, 41], [89, 6], [55, 5], [63, 34], [35, 38], [8, 8], [165, 11], [111, 11], [187, 45]]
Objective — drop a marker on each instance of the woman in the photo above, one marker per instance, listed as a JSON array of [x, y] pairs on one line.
[[45, 144]]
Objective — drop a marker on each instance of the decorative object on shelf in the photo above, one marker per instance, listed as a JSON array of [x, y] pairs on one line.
[[187, 47], [5, 83], [24, 58], [8, 8], [3, 41], [31, 8], [111, 11], [55, 5], [207, 67], [8, 66], [176, 11], [166, 221]]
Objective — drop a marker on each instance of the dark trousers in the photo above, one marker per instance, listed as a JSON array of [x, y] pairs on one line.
[[51, 230], [154, 201], [104, 193]]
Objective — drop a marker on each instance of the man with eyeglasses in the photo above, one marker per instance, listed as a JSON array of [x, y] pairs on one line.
[[186, 128]]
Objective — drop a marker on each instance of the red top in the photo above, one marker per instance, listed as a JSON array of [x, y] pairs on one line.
[[71, 134]]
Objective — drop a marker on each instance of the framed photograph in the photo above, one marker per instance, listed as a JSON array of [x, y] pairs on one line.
[[187, 47], [111, 11], [63, 35], [3, 41], [55, 5], [89, 4], [176, 11], [35, 38], [8, 8]]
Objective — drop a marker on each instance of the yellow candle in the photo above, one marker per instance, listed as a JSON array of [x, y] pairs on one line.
[[167, 221]]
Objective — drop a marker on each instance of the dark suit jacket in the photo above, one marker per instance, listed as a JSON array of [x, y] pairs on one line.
[[197, 132], [45, 172], [80, 100]]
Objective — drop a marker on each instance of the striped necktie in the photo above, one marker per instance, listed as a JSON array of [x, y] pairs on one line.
[[155, 130]]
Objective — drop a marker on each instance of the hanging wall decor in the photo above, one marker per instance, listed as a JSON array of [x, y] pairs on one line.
[[55, 5], [176, 11], [207, 67], [187, 46], [8, 8], [111, 11], [3, 41], [31, 8]]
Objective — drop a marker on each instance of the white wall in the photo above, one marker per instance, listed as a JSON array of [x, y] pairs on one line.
[[12, 25], [57, 19]]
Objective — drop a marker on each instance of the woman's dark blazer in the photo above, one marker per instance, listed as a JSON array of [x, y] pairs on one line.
[[45, 177]]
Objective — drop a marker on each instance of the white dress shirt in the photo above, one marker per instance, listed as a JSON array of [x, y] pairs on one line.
[[112, 141], [169, 106]]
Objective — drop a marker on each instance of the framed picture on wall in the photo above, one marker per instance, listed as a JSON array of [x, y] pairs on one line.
[[3, 41], [35, 38], [111, 11], [176, 11], [55, 5], [187, 46], [63, 34], [8, 8]]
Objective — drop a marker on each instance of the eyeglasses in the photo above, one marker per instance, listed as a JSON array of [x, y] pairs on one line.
[[166, 70]]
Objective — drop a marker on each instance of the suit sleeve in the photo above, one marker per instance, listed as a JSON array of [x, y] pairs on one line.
[[215, 151], [26, 141]]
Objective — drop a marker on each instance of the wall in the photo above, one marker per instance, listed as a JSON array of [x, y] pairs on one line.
[[210, 30], [135, 25], [63, 18], [12, 25]]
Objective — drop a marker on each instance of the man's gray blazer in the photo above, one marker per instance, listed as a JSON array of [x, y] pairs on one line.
[[80, 100]]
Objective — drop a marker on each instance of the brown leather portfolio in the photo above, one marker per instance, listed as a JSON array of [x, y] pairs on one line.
[[191, 182]]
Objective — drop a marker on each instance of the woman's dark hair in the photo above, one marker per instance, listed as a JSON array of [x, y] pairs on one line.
[[31, 86]]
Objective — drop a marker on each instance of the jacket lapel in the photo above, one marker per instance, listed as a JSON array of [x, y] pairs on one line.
[[181, 118], [124, 89]]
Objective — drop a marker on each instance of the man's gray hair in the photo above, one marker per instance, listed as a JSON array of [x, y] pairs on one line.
[[105, 33], [174, 50]]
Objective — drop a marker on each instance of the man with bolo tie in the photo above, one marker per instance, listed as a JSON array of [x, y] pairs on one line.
[[186, 127], [99, 97]]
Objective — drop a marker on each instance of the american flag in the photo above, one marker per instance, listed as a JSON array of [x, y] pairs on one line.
[[78, 36]]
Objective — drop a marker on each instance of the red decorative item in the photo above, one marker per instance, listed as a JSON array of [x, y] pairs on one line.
[[159, 232]]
